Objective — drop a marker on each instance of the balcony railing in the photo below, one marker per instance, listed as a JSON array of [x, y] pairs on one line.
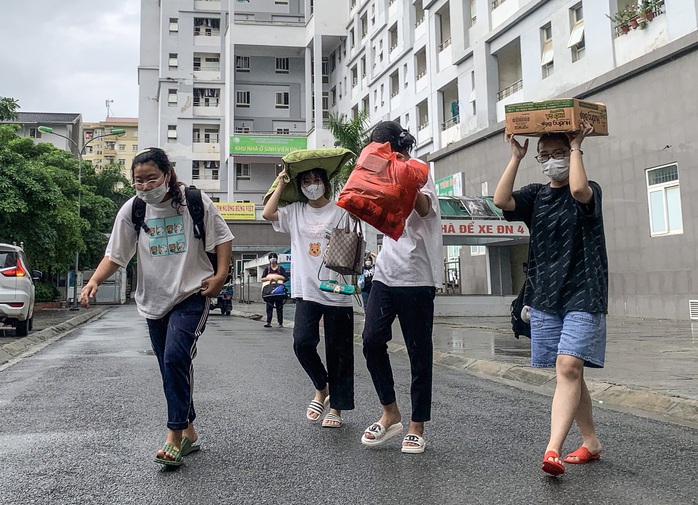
[[451, 122], [510, 90], [497, 3], [419, 22], [421, 74], [445, 44]]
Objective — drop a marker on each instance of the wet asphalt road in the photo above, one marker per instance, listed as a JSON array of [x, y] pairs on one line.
[[83, 418]]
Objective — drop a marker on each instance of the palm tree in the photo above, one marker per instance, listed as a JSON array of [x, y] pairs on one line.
[[350, 134]]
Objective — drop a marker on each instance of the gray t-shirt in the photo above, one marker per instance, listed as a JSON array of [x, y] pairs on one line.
[[171, 261]]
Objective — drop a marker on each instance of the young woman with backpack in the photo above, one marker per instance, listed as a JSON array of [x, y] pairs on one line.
[[175, 281]]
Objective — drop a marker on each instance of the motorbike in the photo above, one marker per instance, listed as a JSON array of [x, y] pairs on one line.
[[224, 301]]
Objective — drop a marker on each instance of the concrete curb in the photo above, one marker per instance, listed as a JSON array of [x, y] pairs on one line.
[[41, 339], [666, 407]]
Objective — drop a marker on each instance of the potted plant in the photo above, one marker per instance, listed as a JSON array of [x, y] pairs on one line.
[[647, 8], [632, 12], [621, 19]]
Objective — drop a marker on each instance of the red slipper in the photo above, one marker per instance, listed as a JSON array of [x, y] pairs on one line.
[[583, 456], [552, 467]]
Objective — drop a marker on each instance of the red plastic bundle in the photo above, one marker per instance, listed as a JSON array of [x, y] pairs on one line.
[[382, 189]]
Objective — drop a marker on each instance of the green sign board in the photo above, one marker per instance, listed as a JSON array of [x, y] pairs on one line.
[[265, 145], [451, 185]]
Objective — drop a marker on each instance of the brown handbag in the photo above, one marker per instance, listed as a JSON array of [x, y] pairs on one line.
[[345, 252]]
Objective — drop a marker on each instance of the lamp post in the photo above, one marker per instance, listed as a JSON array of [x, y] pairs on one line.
[[80, 150]]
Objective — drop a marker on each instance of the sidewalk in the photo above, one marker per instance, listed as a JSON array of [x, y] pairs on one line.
[[651, 364]]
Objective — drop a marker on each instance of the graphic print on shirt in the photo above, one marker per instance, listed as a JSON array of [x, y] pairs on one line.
[[167, 236], [314, 249]]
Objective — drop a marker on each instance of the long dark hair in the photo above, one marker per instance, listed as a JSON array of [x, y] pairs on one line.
[[160, 159], [401, 140]]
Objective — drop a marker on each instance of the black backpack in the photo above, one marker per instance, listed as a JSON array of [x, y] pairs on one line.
[[195, 205], [518, 325]]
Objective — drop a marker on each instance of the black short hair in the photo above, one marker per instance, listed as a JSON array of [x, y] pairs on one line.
[[553, 136], [273, 255], [160, 159], [318, 172], [390, 131]]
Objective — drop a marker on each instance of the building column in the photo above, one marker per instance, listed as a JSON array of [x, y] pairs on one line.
[[308, 89], [317, 87]]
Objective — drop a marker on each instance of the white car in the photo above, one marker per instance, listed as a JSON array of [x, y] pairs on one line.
[[16, 289]]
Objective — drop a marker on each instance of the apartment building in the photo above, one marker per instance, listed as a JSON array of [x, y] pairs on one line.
[[120, 150], [444, 69], [65, 124]]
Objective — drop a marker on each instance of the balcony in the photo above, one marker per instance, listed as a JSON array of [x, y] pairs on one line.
[[510, 90], [450, 131], [206, 148]]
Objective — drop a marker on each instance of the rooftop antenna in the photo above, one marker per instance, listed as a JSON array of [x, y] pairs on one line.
[[108, 103]]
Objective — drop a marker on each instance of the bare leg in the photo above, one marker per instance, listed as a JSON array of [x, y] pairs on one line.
[[585, 421], [320, 395], [566, 400], [415, 429]]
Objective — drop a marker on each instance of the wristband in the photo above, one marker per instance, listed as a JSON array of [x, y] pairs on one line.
[[577, 149]]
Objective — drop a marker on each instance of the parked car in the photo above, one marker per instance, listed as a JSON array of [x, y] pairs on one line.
[[16, 289]]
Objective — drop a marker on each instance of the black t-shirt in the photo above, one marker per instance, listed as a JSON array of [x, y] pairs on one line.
[[567, 265], [279, 270]]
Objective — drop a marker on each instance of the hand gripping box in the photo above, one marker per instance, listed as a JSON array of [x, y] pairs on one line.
[[551, 116]]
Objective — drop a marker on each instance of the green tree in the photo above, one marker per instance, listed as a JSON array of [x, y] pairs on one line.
[[350, 134], [39, 203], [8, 109]]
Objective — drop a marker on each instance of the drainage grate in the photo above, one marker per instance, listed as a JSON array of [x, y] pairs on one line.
[[693, 308]]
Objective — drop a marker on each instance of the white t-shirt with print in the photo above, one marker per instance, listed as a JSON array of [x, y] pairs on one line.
[[171, 261], [416, 258], [307, 226]]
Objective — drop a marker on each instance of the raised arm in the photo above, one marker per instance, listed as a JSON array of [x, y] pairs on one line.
[[503, 194], [579, 184], [270, 209]]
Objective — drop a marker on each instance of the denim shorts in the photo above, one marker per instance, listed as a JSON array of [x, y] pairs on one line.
[[578, 334]]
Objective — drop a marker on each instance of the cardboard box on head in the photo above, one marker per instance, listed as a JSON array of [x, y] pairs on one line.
[[554, 116]]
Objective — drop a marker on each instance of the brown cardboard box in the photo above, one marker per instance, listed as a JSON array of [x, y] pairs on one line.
[[562, 115]]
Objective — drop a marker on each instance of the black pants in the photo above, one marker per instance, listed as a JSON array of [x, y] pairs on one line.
[[414, 306], [339, 349], [174, 340], [279, 304]]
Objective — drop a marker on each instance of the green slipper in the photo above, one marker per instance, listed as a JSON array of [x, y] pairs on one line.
[[170, 448], [188, 446]]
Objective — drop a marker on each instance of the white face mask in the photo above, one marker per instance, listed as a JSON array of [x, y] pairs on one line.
[[155, 195], [557, 170], [313, 191]]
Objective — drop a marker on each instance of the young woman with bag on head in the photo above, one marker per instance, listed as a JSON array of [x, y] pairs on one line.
[[307, 223], [407, 272], [568, 270], [174, 283]]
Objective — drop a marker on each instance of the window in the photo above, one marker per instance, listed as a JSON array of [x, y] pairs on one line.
[[34, 133], [207, 170], [547, 56], [282, 100], [242, 98], [242, 171], [281, 2], [174, 25], [283, 131], [121, 162], [478, 250], [172, 97], [473, 11], [282, 65], [242, 63], [122, 147], [325, 71], [172, 62], [134, 148], [576, 40], [664, 200], [172, 133], [207, 97], [364, 26], [404, 75], [242, 129], [207, 27]]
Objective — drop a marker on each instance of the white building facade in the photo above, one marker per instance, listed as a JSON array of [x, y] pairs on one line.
[[444, 69]]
